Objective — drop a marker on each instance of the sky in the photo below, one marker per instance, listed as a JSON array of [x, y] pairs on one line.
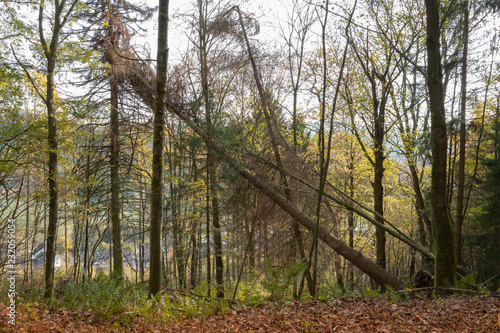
[[269, 13]]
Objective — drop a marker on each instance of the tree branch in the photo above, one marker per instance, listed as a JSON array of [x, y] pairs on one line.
[[28, 75]]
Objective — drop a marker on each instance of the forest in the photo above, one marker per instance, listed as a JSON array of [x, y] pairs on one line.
[[225, 165]]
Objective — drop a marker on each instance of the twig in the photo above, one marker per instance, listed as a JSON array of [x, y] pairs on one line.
[[250, 238], [184, 292], [27, 74], [457, 290], [485, 282], [131, 59]]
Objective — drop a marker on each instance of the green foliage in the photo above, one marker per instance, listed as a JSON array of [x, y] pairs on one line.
[[467, 282], [485, 229], [101, 294], [251, 291], [279, 280], [492, 4], [30, 292], [256, 300], [331, 292], [12, 120]]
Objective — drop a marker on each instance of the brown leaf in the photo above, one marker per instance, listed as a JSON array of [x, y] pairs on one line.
[[33, 313], [36, 327]]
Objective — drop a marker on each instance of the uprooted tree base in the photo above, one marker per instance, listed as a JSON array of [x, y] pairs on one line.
[[374, 314]]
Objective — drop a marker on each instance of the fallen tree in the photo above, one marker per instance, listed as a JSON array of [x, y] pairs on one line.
[[141, 79], [360, 210], [374, 271]]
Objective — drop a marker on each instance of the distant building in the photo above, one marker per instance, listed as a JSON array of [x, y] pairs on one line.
[[38, 257]]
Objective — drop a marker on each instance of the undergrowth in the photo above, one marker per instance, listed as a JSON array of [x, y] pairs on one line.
[[113, 299]]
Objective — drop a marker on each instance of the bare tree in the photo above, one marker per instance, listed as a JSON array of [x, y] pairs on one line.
[[379, 64]]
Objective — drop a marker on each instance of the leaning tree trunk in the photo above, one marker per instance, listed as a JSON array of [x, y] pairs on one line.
[[270, 129], [377, 273], [140, 86]]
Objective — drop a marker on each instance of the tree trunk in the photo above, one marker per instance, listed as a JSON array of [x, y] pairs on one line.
[[86, 259], [461, 162], [116, 224], [53, 189], [155, 273], [496, 229], [50, 51], [66, 239], [194, 257], [211, 162], [371, 269], [350, 214], [378, 199], [270, 128], [249, 226], [219, 264], [178, 243], [26, 233], [444, 236], [209, 266], [424, 223], [142, 230]]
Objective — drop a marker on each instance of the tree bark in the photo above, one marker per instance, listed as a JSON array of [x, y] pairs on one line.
[[350, 214], [155, 273], [378, 114], [86, 259], [178, 243], [378, 187], [444, 236], [270, 128], [219, 264], [116, 224], [461, 162], [377, 273], [194, 229], [211, 161], [50, 52], [52, 179]]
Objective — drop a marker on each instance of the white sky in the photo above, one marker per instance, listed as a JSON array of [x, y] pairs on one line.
[[268, 12]]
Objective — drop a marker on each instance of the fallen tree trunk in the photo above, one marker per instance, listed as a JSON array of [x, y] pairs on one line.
[[142, 78], [359, 211], [374, 271]]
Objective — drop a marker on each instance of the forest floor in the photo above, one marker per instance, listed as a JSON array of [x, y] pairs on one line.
[[377, 314]]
